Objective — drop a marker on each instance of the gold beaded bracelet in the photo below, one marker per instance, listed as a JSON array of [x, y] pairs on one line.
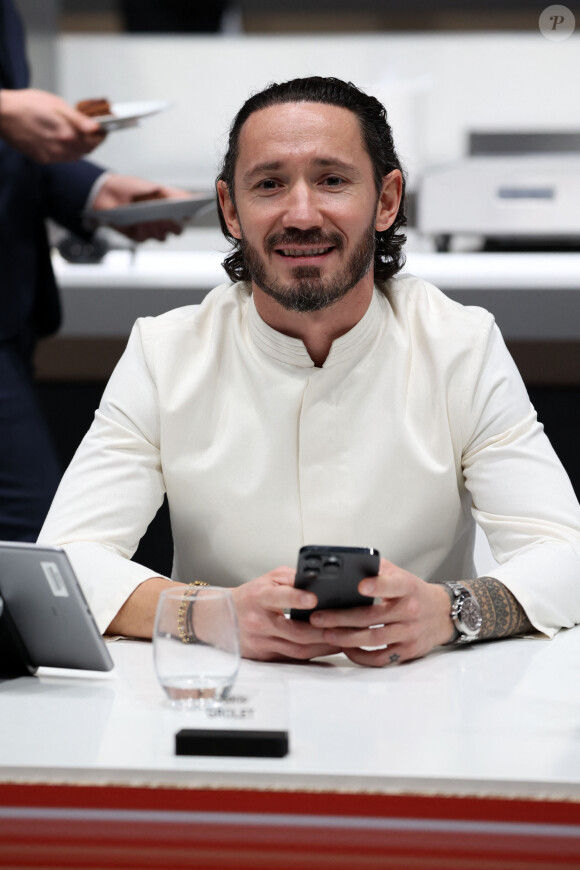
[[185, 612]]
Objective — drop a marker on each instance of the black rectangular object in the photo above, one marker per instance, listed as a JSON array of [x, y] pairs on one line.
[[14, 661], [254, 744], [333, 574]]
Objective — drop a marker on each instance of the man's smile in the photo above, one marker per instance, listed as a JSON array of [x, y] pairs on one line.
[[304, 253], [304, 248]]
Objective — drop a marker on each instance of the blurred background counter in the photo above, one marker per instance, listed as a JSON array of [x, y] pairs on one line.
[[534, 297]]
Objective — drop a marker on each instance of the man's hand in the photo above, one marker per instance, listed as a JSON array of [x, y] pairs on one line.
[[45, 128], [410, 619], [266, 634], [119, 190]]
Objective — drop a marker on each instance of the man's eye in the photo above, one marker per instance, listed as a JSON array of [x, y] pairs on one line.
[[333, 181], [267, 184]]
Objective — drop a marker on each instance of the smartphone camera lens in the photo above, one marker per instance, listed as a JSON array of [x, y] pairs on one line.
[[332, 566]]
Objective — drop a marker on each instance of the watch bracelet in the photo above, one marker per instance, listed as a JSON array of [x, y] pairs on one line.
[[459, 638], [456, 633]]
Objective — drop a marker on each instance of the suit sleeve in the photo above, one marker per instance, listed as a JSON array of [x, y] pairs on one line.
[[67, 187]]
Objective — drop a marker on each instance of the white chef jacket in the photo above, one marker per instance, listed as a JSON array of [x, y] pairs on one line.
[[416, 426]]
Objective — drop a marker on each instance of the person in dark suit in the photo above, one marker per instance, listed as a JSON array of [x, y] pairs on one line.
[[42, 141]]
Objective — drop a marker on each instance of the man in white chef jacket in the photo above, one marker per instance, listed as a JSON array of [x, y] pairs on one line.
[[323, 398]]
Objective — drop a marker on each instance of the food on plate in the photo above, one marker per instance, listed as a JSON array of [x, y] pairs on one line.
[[95, 108], [150, 194]]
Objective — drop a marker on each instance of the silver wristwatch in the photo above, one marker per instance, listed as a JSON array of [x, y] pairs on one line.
[[465, 613]]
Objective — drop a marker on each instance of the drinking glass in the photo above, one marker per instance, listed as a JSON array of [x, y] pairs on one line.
[[196, 645]]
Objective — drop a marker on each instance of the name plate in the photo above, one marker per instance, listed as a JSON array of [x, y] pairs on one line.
[[251, 722]]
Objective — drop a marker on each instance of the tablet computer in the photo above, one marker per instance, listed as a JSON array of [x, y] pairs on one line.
[[42, 602]]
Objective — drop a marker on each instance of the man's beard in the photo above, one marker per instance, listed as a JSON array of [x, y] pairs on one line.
[[307, 291]]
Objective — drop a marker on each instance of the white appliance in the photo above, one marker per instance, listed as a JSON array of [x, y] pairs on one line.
[[533, 196]]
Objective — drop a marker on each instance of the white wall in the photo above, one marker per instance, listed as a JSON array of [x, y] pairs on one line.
[[436, 88]]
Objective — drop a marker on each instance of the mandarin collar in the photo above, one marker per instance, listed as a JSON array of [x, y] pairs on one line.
[[291, 351]]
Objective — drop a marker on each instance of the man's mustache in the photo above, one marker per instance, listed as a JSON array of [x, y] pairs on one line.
[[314, 238]]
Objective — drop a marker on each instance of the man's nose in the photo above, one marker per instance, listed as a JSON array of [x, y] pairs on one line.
[[302, 209]]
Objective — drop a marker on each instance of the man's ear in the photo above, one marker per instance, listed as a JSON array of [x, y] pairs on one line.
[[389, 200], [228, 210]]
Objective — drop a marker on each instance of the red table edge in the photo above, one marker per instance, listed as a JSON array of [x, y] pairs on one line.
[[538, 810]]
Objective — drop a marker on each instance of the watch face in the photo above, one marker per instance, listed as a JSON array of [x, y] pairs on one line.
[[470, 615]]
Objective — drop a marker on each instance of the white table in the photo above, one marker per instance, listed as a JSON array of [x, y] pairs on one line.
[[500, 718], [477, 750]]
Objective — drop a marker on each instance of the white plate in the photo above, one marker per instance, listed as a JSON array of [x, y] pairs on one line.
[[129, 114], [178, 210]]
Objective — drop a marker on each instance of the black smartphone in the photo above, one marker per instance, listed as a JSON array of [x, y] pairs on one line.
[[333, 574]]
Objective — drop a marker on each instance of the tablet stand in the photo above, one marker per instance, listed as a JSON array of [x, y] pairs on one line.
[[13, 658]]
